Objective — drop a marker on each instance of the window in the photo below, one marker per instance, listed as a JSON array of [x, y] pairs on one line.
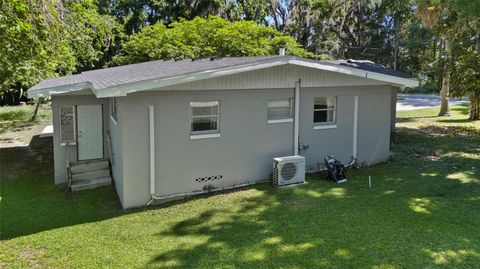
[[67, 124], [280, 110], [113, 108], [205, 117], [324, 110]]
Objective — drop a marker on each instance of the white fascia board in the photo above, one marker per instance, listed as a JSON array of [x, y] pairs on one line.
[[59, 90], [154, 84], [397, 81]]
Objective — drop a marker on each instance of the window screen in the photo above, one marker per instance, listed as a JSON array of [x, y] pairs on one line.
[[67, 123], [280, 109], [324, 109], [205, 117]]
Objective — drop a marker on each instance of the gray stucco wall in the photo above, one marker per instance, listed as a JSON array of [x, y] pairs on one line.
[[393, 111], [373, 140], [374, 125], [244, 152], [115, 134], [59, 150], [321, 143]]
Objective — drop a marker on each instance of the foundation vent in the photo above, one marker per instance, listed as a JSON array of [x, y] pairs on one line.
[[209, 178]]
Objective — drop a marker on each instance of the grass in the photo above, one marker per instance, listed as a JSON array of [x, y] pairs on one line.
[[422, 211], [15, 124], [11, 114]]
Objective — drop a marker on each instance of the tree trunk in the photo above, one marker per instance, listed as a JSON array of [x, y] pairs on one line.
[[37, 106], [474, 106], [475, 96], [445, 92]]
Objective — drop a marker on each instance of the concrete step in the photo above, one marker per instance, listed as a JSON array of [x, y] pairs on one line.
[[89, 166], [87, 184], [91, 175]]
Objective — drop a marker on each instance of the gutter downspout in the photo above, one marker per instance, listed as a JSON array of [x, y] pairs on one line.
[[151, 125], [355, 128], [297, 117], [355, 135]]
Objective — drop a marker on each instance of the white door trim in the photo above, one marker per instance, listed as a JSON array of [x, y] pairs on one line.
[[89, 132]]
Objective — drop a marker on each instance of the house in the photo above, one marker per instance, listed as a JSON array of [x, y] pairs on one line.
[[174, 128]]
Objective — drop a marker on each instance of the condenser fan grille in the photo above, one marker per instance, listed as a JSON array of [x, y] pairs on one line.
[[288, 171]]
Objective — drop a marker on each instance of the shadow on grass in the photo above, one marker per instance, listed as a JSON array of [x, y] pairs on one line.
[[31, 203], [419, 213], [456, 120], [307, 228], [412, 119], [462, 109]]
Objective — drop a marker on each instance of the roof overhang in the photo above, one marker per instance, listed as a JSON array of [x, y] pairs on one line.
[[155, 84], [60, 90]]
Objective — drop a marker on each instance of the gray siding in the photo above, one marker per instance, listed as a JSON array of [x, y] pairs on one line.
[[393, 111], [324, 142], [373, 139], [277, 77], [374, 126], [135, 145], [243, 153], [115, 134], [59, 150]]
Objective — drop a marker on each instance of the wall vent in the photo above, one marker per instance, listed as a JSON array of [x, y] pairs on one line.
[[209, 178]]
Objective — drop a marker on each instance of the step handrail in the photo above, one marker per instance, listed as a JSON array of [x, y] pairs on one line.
[[68, 168]]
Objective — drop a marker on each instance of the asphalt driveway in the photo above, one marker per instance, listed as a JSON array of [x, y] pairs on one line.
[[418, 101]]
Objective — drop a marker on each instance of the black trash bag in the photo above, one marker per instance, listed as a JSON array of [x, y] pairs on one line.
[[335, 170]]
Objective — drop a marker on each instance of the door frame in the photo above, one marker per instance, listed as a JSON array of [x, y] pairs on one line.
[[103, 133]]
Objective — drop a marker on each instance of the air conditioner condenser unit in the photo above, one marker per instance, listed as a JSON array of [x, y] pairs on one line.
[[288, 170]]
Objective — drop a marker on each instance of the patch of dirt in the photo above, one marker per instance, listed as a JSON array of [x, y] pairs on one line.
[[11, 143], [31, 256], [21, 137]]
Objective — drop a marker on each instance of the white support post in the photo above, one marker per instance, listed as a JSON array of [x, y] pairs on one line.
[[297, 117], [355, 125], [151, 118]]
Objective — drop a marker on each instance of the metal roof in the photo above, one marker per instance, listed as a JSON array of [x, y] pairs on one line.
[[161, 69]]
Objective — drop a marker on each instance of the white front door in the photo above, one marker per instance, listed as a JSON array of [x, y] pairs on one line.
[[90, 132]]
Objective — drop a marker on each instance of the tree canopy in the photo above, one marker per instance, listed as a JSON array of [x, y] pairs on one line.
[[427, 38], [199, 38]]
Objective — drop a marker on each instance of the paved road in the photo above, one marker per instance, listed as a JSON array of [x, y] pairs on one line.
[[418, 101]]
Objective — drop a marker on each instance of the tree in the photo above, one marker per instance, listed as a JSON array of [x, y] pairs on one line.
[[466, 67], [93, 38], [441, 16], [32, 46], [200, 38], [466, 78]]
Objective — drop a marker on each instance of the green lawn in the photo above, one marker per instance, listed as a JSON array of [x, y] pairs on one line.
[[422, 211], [16, 127]]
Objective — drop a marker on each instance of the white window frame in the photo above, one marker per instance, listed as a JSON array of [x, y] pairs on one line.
[[326, 124], [281, 120], [209, 133], [74, 140], [113, 110]]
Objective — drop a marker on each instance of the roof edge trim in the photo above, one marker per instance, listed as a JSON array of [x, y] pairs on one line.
[[60, 89], [153, 84], [397, 81]]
